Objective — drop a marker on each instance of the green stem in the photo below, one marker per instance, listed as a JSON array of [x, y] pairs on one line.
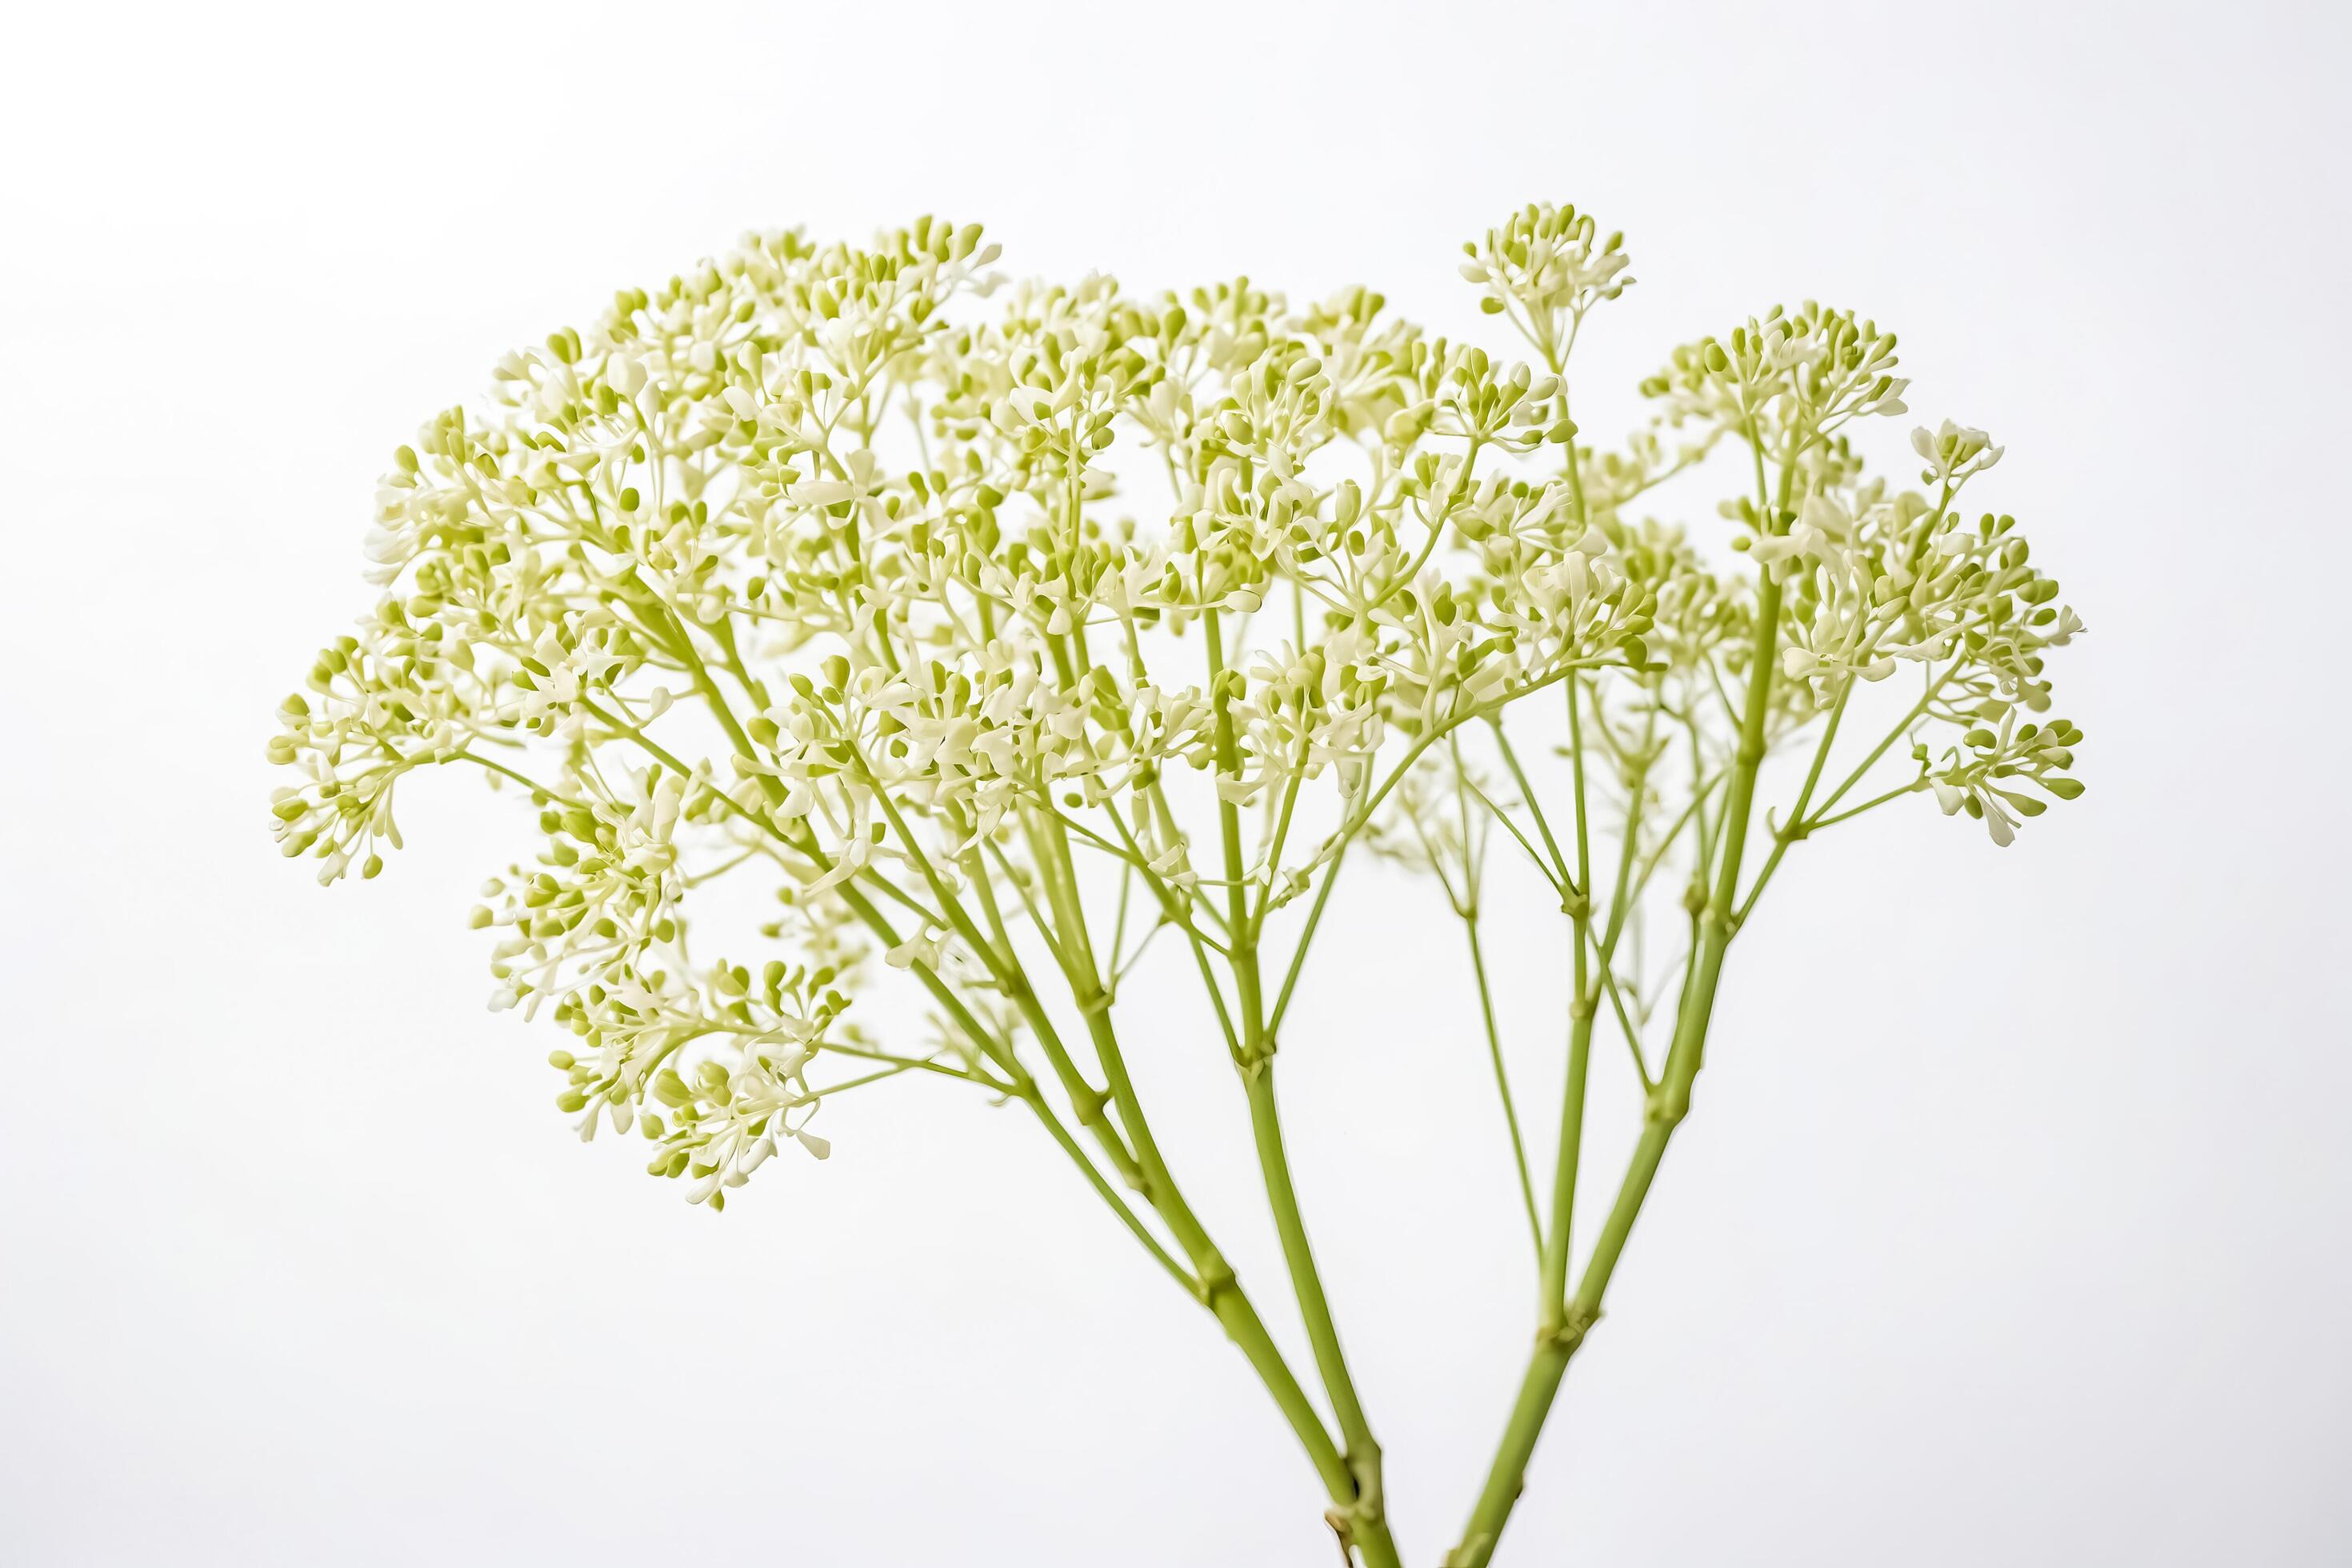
[[1024, 1089], [1359, 1515], [1552, 1288], [1363, 1508], [1503, 1085], [1527, 793], [1667, 1104], [1224, 1292], [1796, 827], [1818, 822]]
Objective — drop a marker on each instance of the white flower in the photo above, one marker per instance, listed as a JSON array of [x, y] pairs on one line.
[[1954, 451]]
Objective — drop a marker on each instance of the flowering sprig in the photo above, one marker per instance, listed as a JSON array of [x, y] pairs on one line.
[[1015, 636]]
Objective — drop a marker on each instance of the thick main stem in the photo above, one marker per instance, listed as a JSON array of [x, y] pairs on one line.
[[1364, 1511], [1668, 1104], [1360, 1515], [1219, 1289], [1552, 1284]]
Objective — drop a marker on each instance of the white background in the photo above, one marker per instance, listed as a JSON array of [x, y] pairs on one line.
[[2011, 1228]]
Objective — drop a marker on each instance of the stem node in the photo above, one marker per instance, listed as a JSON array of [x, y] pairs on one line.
[[1566, 1335]]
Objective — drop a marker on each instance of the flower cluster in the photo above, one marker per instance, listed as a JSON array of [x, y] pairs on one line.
[[862, 571], [714, 1074], [2016, 754], [1546, 267]]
